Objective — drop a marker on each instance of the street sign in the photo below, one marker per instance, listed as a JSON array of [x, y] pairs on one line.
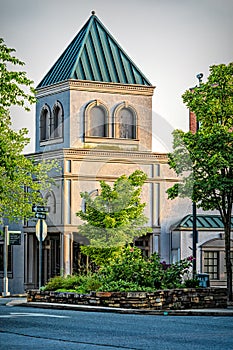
[[40, 216], [15, 237], [40, 209], [40, 226]]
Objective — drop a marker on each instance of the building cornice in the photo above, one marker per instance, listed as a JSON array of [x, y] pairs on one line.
[[93, 86], [94, 154]]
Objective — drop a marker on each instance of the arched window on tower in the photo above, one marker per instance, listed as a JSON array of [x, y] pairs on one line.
[[44, 123], [56, 121], [52, 204], [96, 116], [92, 194], [125, 122]]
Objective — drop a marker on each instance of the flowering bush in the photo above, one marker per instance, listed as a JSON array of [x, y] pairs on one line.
[[132, 267]]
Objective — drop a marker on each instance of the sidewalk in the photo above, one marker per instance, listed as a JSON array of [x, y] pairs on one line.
[[192, 312]]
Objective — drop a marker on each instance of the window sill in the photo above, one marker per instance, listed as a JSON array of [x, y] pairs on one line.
[[111, 143], [51, 141], [110, 139]]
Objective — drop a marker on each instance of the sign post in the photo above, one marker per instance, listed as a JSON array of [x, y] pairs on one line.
[[41, 232], [5, 292], [40, 254]]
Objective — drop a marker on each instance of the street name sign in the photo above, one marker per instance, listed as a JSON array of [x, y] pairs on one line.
[[40, 209]]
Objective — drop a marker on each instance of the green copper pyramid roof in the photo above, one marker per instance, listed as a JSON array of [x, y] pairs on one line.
[[96, 56]]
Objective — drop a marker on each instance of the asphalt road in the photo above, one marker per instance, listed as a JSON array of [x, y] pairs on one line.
[[35, 328]]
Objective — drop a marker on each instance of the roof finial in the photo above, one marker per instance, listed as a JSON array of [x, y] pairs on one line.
[[93, 12]]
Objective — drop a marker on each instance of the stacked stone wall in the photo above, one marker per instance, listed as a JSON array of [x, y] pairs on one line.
[[175, 299]]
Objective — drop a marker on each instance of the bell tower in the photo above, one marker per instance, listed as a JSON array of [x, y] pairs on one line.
[[94, 116]]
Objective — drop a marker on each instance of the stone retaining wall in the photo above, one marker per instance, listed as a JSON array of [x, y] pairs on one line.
[[173, 299]]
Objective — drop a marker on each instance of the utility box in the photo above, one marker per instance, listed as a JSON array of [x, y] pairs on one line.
[[204, 280]]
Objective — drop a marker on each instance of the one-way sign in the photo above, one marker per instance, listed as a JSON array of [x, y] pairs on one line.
[[40, 216], [40, 209]]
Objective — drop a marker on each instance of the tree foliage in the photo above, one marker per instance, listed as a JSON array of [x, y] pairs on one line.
[[21, 180], [98, 256], [205, 159], [115, 216]]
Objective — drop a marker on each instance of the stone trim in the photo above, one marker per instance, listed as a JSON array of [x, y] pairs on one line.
[[94, 153], [81, 85]]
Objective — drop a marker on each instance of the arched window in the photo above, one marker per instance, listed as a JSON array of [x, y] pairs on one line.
[[92, 194], [56, 121], [125, 122], [213, 258], [96, 116], [44, 123], [51, 202]]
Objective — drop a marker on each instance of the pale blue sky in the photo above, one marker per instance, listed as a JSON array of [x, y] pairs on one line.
[[169, 40]]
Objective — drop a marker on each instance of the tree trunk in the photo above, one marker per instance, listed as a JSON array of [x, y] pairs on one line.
[[227, 229]]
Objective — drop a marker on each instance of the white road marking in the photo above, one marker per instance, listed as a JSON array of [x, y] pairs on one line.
[[27, 314]]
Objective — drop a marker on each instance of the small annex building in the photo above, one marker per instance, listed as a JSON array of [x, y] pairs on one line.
[[210, 245]]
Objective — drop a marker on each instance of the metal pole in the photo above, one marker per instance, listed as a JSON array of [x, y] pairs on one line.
[[199, 77], [194, 239], [5, 278], [40, 254]]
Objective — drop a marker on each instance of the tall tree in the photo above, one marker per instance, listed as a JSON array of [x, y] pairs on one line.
[[115, 216], [20, 178], [205, 159]]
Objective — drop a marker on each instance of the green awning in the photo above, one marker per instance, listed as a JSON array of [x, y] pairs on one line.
[[204, 222]]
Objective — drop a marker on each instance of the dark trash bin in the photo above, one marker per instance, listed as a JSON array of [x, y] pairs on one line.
[[204, 280]]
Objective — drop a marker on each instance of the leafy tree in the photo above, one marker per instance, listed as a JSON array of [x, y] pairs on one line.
[[205, 158], [18, 174], [98, 256], [115, 216]]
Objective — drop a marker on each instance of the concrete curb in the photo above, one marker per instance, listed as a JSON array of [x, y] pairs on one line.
[[191, 312]]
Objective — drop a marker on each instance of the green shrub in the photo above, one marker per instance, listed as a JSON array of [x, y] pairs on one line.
[[79, 284], [191, 283], [54, 283], [127, 270], [131, 267], [90, 282], [60, 282]]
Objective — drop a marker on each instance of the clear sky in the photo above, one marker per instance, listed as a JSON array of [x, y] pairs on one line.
[[171, 41]]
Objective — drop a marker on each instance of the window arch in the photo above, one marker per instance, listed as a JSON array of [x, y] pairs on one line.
[[213, 258], [125, 121], [45, 115], [92, 194], [51, 201], [96, 119], [56, 121]]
